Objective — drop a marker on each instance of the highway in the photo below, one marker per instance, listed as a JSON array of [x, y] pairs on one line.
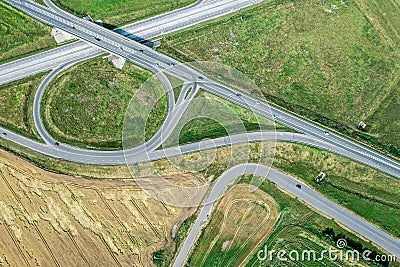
[[156, 62], [150, 59], [305, 193], [146, 29]]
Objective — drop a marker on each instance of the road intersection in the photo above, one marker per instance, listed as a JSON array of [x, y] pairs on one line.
[[140, 54]]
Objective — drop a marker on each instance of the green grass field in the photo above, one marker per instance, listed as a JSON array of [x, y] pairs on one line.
[[321, 59], [21, 35], [16, 100], [122, 12], [86, 104]]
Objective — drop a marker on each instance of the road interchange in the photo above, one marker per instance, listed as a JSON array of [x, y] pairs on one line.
[[156, 62], [150, 59], [146, 29]]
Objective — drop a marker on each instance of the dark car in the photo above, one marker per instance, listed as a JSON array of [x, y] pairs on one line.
[[238, 95], [201, 78], [56, 144], [141, 50], [73, 27], [4, 134], [298, 185]]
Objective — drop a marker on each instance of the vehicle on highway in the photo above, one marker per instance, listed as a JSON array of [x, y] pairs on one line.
[[56, 144], [96, 38], [201, 78], [141, 50], [298, 185], [326, 132], [4, 134], [238, 95], [73, 27]]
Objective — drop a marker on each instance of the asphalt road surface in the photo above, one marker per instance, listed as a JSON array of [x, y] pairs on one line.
[[148, 58], [305, 193], [146, 29]]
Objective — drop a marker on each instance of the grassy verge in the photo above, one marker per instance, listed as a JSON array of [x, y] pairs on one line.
[[323, 60], [16, 100], [85, 106], [21, 35], [120, 12]]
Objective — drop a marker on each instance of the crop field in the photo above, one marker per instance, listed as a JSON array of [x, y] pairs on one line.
[[21, 35], [86, 104], [324, 60], [49, 219], [16, 100], [238, 225], [119, 13]]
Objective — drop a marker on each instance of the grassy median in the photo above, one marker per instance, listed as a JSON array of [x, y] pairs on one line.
[[324, 60]]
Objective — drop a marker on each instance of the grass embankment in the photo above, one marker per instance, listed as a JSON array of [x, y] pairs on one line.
[[85, 106], [323, 60], [16, 100], [119, 13], [366, 192], [21, 35]]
